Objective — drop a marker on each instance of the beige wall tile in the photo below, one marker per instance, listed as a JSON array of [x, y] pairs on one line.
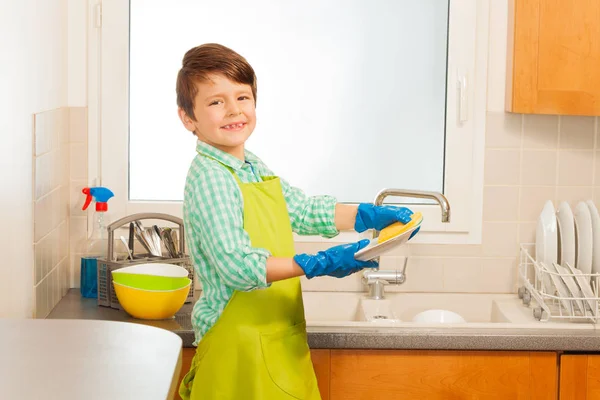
[[575, 168], [500, 203], [502, 167], [540, 131], [43, 178], [462, 275], [78, 159], [597, 196], [539, 168], [499, 275], [527, 232], [41, 300], [41, 134], [577, 132], [532, 201], [78, 124], [500, 239], [445, 250], [574, 194], [63, 125], [503, 130], [423, 274], [350, 283]]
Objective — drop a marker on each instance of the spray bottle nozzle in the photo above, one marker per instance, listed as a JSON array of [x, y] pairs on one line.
[[100, 194]]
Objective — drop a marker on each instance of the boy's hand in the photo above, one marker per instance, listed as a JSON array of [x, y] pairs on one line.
[[370, 216], [337, 261]]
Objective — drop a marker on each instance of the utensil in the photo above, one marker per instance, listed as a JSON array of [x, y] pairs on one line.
[[131, 236], [175, 243], [127, 247], [139, 234]]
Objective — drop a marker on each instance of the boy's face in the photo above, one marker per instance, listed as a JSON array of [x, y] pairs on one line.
[[225, 114]]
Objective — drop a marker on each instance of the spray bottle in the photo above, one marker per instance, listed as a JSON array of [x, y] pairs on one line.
[[96, 245]]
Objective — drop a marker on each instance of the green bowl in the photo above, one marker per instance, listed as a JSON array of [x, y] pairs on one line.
[[152, 276], [151, 282]]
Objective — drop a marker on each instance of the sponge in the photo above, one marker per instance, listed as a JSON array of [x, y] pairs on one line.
[[398, 228]]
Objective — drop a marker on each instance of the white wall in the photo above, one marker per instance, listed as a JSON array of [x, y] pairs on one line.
[[33, 78]]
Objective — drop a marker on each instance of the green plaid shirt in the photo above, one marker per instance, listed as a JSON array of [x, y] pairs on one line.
[[220, 248]]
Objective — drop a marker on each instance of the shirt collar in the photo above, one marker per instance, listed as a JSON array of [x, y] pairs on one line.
[[222, 157]]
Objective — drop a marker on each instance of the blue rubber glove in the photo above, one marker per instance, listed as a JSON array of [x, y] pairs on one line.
[[337, 261], [370, 216]]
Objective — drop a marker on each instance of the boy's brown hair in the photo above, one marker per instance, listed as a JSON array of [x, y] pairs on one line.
[[210, 58]]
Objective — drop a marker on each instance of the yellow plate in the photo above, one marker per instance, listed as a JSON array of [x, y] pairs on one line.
[[399, 228]]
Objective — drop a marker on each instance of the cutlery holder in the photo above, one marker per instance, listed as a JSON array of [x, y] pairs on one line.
[[106, 291]]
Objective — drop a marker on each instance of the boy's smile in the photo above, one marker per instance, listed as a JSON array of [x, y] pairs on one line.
[[225, 114]]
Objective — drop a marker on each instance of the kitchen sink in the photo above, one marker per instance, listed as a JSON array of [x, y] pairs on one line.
[[354, 309]]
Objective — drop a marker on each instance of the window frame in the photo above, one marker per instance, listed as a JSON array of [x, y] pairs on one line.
[[108, 123]]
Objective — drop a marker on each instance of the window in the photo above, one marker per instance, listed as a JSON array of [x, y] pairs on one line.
[[352, 97]]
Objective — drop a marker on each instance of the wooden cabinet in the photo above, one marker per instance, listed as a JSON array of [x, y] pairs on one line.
[[580, 377], [554, 57], [395, 374]]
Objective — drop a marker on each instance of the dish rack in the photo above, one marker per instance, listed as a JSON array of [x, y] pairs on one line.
[[550, 304], [106, 291]]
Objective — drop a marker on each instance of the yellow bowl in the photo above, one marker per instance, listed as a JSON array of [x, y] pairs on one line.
[[151, 304]]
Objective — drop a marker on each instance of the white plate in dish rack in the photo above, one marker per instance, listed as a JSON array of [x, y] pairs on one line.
[[584, 241], [561, 287], [586, 289], [546, 246], [566, 233], [595, 236], [571, 285]]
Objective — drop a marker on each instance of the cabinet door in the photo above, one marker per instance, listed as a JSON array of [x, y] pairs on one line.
[[443, 375], [580, 377], [554, 57], [321, 362]]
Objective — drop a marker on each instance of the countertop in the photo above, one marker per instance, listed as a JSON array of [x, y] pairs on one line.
[[72, 306], [75, 359]]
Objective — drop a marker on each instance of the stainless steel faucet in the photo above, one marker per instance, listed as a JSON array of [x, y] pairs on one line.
[[375, 279]]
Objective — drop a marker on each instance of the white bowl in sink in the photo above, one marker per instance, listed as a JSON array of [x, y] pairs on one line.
[[439, 316]]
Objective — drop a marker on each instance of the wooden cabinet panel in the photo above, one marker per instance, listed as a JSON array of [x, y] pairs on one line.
[[375, 374], [580, 377], [321, 361], [554, 57]]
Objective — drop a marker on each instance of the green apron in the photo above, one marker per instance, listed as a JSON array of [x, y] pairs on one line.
[[257, 349]]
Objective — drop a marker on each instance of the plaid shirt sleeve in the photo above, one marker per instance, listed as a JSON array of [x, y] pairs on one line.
[[310, 215], [217, 214]]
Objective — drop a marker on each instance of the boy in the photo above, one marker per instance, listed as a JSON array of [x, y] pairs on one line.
[[249, 322]]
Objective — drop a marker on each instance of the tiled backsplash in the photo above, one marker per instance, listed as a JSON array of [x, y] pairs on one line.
[[58, 135], [528, 159]]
